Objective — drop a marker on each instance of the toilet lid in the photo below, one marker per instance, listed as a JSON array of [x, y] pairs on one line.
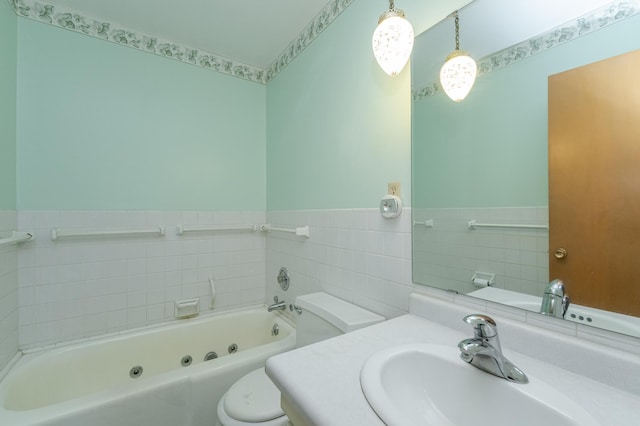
[[254, 398]]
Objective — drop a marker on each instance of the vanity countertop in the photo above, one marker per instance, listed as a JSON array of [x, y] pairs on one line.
[[321, 382]]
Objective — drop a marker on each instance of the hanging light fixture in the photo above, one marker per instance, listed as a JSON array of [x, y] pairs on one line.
[[392, 40], [459, 71]]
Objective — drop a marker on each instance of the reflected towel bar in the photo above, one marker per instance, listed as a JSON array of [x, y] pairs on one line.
[[427, 223], [300, 232], [181, 229], [60, 233], [16, 238], [472, 224]]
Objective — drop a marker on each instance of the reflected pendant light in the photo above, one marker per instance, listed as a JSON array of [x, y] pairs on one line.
[[459, 71], [392, 40]]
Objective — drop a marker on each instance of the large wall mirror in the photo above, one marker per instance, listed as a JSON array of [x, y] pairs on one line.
[[484, 161]]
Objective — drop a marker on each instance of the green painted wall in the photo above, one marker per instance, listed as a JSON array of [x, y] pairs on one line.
[[105, 127], [8, 76], [338, 128], [491, 149]]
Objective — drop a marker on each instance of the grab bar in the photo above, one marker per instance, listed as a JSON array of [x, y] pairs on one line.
[[472, 224], [302, 231], [427, 223], [181, 229], [61, 233], [16, 238]]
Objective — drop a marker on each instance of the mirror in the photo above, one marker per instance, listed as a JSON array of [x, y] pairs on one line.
[[485, 159]]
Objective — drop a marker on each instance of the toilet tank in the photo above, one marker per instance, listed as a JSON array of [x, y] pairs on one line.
[[325, 316]]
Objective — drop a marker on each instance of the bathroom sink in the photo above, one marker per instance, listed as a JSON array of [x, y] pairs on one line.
[[424, 384]]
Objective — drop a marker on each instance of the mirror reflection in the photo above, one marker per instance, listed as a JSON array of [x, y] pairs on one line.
[[479, 167]]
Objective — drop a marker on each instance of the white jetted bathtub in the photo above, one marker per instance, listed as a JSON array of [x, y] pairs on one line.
[[153, 377]]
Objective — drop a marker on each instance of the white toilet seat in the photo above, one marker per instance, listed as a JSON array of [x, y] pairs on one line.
[[252, 400]]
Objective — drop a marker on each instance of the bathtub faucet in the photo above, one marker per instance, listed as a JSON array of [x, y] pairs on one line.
[[277, 306], [554, 301]]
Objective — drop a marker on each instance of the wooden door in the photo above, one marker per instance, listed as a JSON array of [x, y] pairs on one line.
[[594, 182]]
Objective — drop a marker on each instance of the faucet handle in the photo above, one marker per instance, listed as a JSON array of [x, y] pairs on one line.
[[483, 325]]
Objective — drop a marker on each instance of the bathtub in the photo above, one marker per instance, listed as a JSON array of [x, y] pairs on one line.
[[155, 376]]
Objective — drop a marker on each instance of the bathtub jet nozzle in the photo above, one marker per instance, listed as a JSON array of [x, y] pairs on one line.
[[136, 372], [186, 360]]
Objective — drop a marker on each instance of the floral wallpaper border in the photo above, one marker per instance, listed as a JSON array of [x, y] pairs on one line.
[[600, 18], [74, 21], [313, 30]]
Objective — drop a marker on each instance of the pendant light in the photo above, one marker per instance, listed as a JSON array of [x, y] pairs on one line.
[[459, 71], [392, 40]]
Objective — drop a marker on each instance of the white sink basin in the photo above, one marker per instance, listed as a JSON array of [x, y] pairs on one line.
[[424, 384]]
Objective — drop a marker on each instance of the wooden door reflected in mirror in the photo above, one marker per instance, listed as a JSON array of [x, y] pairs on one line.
[[594, 182]]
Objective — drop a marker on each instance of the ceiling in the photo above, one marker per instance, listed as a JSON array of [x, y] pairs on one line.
[[252, 32], [257, 32]]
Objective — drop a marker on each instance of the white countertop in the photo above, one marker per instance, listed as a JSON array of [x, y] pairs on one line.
[[322, 381]]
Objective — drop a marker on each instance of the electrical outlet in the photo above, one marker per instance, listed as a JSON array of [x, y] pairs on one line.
[[393, 188]]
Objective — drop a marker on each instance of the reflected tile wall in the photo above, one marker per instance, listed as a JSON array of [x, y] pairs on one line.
[[447, 255]]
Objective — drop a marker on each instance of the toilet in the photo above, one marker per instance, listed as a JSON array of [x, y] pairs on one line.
[[254, 400]]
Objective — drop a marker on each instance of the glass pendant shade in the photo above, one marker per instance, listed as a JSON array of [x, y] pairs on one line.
[[458, 74], [393, 41]]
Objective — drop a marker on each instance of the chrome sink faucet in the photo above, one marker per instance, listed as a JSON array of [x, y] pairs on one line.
[[554, 301], [483, 351], [277, 306]]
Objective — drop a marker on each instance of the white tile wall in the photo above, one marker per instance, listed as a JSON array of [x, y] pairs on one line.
[[8, 289], [74, 288], [354, 254], [448, 254], [362, 258]]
